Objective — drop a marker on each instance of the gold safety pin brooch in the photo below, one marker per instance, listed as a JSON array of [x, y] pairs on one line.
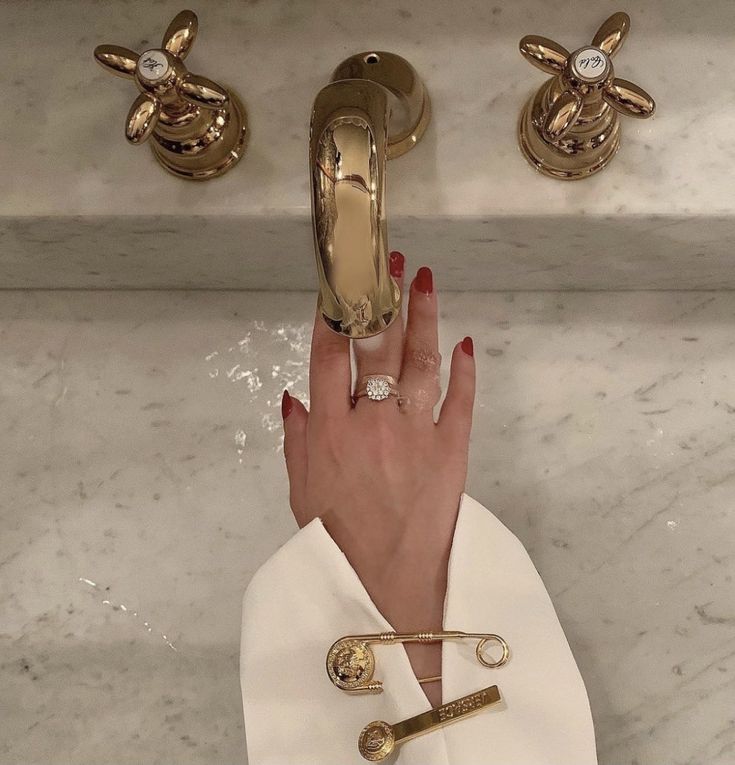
[[351, 661]]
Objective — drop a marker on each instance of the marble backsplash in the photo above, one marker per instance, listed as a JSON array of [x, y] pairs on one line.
[[81, 208]]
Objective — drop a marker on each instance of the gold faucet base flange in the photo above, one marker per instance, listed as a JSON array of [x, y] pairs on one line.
[[410, 105], [222, 154], [551, 161], [397, 148]]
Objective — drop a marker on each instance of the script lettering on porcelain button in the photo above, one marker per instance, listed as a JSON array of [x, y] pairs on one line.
[[590, 64]]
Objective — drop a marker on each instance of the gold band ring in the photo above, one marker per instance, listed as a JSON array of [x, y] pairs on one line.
[[376, 388]]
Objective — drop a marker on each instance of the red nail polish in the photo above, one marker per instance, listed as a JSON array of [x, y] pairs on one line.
[[424, 280], [396, 264], [286, 404], [468, 346]]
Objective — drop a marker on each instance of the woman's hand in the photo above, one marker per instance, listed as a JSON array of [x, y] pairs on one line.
[[386, 479]]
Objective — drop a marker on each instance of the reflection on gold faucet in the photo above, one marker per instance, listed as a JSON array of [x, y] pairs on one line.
[[375, 108]]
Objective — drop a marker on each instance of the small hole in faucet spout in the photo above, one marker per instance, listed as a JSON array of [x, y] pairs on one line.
[[372, 58]]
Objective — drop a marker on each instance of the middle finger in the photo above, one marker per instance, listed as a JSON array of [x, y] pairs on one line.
[[381, 355]]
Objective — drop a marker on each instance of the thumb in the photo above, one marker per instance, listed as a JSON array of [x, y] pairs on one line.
[[295, 420]]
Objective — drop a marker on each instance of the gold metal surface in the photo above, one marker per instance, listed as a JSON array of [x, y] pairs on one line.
[[375, 108], [376, 388], [570, 128], [378, 738], [197, 128], [351, 662]]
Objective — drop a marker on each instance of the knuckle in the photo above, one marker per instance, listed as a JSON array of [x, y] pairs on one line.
[[422, 356], [422, 399]]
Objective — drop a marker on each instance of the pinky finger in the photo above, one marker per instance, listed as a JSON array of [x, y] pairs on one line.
[[455, 418]]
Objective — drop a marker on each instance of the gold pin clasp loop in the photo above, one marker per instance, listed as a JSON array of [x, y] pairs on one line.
[[479, 651]]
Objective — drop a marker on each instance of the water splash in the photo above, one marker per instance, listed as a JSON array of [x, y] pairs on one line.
[[129, 611], [264, 362]]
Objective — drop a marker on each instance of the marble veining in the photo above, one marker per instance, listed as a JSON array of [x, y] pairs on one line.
[[143, 484]]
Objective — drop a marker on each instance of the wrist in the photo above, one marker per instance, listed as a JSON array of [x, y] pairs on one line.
[[410, 592]]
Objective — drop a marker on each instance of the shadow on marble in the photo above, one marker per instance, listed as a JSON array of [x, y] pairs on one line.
[[273, 253]]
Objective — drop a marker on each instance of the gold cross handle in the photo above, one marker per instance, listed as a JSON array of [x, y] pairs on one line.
[[576, 133], [198, 127]]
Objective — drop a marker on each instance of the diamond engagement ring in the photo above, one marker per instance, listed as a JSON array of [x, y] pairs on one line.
[[376, 388]]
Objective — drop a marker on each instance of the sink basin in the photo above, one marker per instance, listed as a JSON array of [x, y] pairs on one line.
[[145, 484]]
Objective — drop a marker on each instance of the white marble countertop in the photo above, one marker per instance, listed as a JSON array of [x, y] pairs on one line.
[[143, 484], [64, 153]]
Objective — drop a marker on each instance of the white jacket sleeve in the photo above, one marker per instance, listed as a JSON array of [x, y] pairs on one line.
[[307, 596]]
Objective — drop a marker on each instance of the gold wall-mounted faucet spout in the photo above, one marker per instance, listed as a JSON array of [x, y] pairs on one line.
[[570, 129], [375, 108]]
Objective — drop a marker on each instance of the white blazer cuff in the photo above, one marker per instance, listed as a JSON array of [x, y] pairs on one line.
[[307, 595]]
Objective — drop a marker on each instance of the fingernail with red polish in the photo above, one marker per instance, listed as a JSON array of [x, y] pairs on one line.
[[468, 346], [396, 264], [286, 404], [425, 280]]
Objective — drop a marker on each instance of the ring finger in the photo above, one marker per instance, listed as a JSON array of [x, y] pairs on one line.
[[381, 355], [419, 385]]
